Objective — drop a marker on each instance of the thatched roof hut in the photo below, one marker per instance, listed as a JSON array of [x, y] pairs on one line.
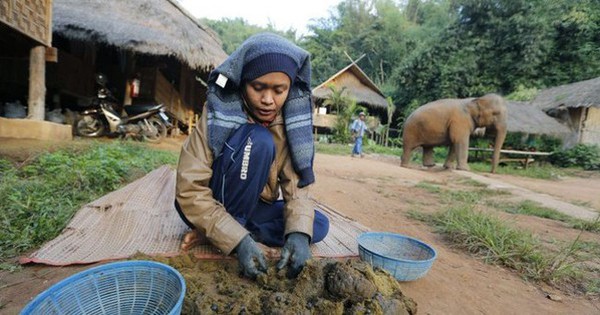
[[579, 94], [576, 105], [526, 118], [357, 86], [155, 27]]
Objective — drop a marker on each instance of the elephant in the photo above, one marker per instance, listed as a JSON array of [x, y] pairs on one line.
[[450, 122]]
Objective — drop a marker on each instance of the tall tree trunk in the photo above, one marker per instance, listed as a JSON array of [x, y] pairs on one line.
[[37, 83]]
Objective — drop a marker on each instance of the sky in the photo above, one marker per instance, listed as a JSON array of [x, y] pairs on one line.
[[283, 14]]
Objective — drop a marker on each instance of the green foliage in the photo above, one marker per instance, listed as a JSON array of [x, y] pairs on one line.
[[38, 199], [573, 29], [418, 51], [531, 142], [344, 109], [523, 94], [234, 31], [581, 155]]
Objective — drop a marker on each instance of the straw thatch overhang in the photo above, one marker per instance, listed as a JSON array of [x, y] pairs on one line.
[[155, 27], [579, 94], [357, 86], [526, 118], [576, 105]]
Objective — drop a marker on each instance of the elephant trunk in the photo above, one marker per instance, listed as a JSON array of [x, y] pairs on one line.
[[500, 136]]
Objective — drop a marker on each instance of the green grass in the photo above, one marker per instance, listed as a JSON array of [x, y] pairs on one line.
[[535, 171], [40, 197], [346, 149], [430, 187], [532, 208], [498, 242], [333, 148], [590, 226]]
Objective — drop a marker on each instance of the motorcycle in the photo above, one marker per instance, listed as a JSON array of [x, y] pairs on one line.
[[143, 122]]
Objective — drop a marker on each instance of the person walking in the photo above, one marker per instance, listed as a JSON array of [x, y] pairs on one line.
[[358, 129]]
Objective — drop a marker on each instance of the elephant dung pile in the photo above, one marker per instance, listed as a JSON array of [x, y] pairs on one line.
[[325, 286]]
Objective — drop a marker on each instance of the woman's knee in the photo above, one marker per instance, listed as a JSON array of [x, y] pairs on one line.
[[320, 227]]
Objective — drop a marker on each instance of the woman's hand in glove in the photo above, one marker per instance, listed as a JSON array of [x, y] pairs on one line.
[[296, 251], [251, 259]]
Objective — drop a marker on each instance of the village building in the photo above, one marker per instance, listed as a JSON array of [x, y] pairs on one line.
[[151, 51], [354, 84], [576, 105], [25, 43], [527, 119]]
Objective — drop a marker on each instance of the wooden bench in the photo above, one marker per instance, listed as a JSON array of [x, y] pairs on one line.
[[525, 160]]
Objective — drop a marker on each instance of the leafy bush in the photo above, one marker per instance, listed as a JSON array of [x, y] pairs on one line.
[[582, 155], [529, 142], [38, 199]]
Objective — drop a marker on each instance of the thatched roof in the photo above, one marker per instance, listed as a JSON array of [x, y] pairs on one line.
[[579, 94], [526, 118], [357, 86], [155, 27]]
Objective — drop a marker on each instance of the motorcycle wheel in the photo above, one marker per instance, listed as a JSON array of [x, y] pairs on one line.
[[89, 126], [156, 132]]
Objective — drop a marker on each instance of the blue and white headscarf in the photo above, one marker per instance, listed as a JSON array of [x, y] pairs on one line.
[[225, 104]]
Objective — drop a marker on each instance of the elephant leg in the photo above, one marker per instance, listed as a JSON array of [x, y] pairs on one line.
[[428, 160], [462, 153], [459, 137], [449, 164], [406, 153]]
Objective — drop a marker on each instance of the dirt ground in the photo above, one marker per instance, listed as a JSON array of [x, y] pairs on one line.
[[378, 193]]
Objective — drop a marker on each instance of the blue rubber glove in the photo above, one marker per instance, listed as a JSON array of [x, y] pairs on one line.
[[251, 259], [296, 251]]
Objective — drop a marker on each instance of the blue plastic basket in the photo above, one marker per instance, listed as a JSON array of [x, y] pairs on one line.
[[129, 287], [404, 257]]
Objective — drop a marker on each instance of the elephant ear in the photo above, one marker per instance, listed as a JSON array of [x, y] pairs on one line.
[[475, 109]]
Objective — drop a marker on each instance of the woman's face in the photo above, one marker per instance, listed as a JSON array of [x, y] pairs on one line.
[[266, 95]]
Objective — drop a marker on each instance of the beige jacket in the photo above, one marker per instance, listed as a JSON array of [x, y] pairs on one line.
[[210, 217]]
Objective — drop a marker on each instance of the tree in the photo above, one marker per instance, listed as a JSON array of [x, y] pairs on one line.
[[574, 30], [234, 31], [341, 104], [391, 108]]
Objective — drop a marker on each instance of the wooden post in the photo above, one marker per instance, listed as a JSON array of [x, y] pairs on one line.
[[37, 83]]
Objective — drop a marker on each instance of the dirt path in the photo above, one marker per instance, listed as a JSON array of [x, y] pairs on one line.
[[379, 193], [376, 192], [580, 212]]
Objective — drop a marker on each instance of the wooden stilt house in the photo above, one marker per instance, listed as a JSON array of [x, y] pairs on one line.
[[354, 84], [155, 42]]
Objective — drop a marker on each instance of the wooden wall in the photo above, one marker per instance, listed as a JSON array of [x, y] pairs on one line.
[[30, 17], [590, 132]]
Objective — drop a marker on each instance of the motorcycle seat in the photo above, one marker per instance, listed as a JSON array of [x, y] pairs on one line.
[[132, 110]]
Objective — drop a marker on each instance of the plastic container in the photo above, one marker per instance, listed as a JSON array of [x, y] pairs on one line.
[[404, 257], [128, 287]]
